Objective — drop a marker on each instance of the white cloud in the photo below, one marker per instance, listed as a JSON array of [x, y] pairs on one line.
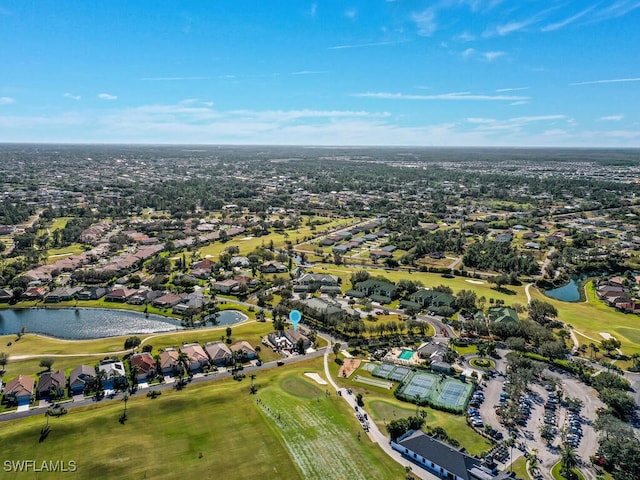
[[616, 10], [425, 22], [615, 80], [612, 118], [486, 56], [174, 124], [491, 56], [107, 96], [465, 96], [468, 53], [362, 45], [351, 13], [6, 100], [519, 102], [172, 79], [71, 96], [512, 89], [511, 27], [314, 9], [558, 25], [465, 37], [309, 72]]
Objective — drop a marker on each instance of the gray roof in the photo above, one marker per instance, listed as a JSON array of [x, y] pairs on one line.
[[451, 459], [49, 380], [81, 373]]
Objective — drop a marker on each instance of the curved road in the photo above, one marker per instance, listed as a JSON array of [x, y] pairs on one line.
[[374, 432]]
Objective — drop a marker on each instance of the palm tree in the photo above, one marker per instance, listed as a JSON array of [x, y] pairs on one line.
[[568, 460], [182, 365], [4, 358], [534, 463]]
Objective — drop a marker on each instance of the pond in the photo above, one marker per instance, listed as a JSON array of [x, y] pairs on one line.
[[567, 293], [229, 317], [89, 323], [83, 323]]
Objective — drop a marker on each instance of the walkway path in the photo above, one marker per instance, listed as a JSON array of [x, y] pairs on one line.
[[374, 432]]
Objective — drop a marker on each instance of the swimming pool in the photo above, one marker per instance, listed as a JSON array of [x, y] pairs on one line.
[[405, 355]]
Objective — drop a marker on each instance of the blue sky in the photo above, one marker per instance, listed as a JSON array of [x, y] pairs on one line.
[[369, 72]]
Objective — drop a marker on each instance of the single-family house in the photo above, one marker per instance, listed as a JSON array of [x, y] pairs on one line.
[[144, 296], [191, 303], [377, 254], [444, 460], [314, 281], [225, 286], [51, 385], [80, 378], [240, 261], [294, 336], [169, 361], [145, 365], [115, 374], [168, 300], [92, 293], [197, 356], [245, 349], [34, 293], [219, 353], [205, 264], [273, 267], [6, 294], [120, 294], [62, 294], [19, 390]]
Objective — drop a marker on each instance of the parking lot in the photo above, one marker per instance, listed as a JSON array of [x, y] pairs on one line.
[[541, 406]]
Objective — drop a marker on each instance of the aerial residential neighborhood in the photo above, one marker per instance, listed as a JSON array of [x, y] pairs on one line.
[[436, 331]]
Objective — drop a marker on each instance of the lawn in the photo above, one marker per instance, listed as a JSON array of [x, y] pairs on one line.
[[55, 254], [594, 316], [520, 468], [428, 280], [386, 408], [294, 432], [555, 471]]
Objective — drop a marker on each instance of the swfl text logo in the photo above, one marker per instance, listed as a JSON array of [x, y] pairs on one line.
[[61, 466]]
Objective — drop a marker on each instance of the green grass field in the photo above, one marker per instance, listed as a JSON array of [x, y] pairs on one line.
[[428, 280], [213, 430], [520, 468]]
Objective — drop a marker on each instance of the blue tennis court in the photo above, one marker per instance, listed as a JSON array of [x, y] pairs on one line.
[[419, 385], [454, 394]]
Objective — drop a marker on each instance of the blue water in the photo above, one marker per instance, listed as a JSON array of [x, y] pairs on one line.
[[229, 317], [567, 293]]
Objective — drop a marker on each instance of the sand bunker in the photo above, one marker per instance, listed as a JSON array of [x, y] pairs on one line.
[[606, 335], [316, 377], [477, 282]]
